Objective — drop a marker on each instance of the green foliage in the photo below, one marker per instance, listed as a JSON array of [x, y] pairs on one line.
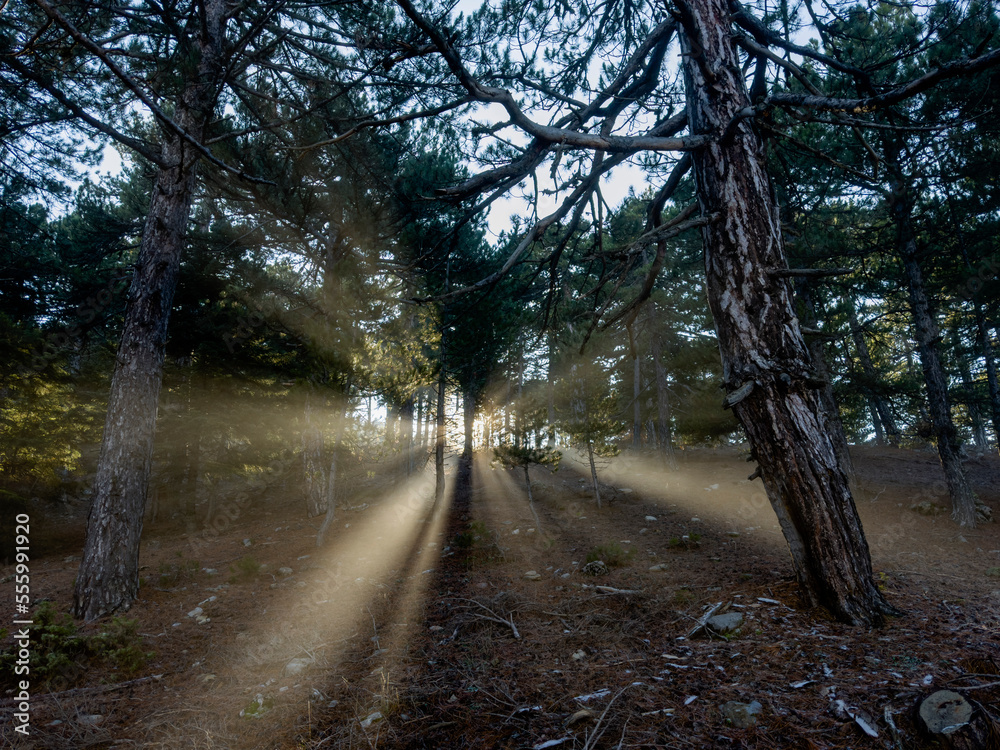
[[511, 457], [121, 645], [611, 554], [245, 569], [60, 655]]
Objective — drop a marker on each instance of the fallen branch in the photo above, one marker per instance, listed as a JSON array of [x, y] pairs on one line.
[[613, 590], [494, 617], [595, 735], [703, 620]]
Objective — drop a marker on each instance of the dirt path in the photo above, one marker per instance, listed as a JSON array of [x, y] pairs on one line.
[[469, 624]]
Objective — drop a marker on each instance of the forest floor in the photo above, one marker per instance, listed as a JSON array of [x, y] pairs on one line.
[[472, 624]]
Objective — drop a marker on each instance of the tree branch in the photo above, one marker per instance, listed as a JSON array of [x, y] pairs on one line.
[[84, 41]]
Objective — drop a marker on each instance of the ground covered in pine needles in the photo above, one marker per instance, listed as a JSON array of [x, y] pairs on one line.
[[473, 624]]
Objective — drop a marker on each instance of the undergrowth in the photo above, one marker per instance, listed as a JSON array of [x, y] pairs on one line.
[[60, 655], [611, 554]]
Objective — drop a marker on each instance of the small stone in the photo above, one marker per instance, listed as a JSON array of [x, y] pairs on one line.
[[91, 719], [660, 566], [625, 490], [206, 678], [532, 575], [580, 656], [300, 584], [741, 715], [725, 623], [247, 542], [195, 612], [209, 571], [651, 518], [333, 704], [283, 571], [945, 712]]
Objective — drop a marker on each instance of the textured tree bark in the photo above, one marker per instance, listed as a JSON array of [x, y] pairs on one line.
[[439, 441], [108, 579], [391, 418], [469, 414], [314, 474], [771, 386], [926, 334]]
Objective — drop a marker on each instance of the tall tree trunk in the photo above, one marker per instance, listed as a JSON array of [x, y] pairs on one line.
[[469, 412], [664, 432], [871, 376], [636, 406], [108, 579], [982, 333], [531, 499], [505, 435], [519, 436], [391, 419], [593, 472], [876, 420], [550, 395], [314, 474], [969, 392], [765, 362], [331, 477], [406, 433], [440, 440], [418, 439], [963, 501]]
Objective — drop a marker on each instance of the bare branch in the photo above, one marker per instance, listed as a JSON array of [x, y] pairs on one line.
[[964, 67], [142, 148]]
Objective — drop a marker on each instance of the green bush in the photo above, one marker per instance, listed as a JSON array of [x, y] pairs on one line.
[[611, 554], [246, 569], [61, 655]]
